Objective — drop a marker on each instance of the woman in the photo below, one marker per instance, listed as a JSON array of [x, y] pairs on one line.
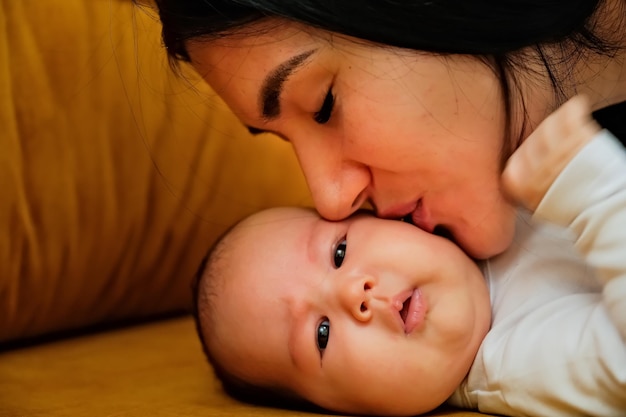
[[413, 107]]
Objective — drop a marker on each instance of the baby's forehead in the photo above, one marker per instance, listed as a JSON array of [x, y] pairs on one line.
[[280, 215], [261, 243], [252, 236], [263, 227]]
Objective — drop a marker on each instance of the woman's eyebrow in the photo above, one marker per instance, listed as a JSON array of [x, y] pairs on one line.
[[272, 86]]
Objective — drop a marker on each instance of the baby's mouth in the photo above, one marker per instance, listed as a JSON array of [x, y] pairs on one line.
[[411, 307], [405, 309], [413, 311]]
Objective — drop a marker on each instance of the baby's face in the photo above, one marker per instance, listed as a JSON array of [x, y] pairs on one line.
[[360, 316]]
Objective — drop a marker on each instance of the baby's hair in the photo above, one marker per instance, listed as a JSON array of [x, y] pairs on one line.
[[205, 287]]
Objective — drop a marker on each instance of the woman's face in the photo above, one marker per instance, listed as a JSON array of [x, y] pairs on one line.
[[413, 134]]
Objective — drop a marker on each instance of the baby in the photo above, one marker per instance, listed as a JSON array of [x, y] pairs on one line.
[[373, 316], [348, 315]]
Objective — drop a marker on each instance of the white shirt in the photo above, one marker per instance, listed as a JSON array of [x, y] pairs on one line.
[[556, 346]]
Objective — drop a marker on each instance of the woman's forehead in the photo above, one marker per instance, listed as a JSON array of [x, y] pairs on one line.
[[274, 40], [274, 34]]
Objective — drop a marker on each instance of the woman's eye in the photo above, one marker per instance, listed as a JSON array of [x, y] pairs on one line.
[[323, 333], [323, 115], [339, 253]]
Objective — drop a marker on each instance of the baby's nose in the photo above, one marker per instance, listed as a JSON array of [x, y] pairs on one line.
[[355, 295]]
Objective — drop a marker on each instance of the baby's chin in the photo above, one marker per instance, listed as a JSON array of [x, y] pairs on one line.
[[410, 397]]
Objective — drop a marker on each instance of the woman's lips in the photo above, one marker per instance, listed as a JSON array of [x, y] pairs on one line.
[[420, 217], [414, 213], [411, 308]]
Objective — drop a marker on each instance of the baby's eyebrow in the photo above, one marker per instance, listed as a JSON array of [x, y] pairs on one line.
[[272, 85], [291, 344], [297, 321]]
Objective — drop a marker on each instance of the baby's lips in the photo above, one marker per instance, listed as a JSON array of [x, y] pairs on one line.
[[397, 304], [416, 312]]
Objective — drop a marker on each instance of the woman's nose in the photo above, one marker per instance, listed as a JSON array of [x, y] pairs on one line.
[[355, 296], [339, 186]]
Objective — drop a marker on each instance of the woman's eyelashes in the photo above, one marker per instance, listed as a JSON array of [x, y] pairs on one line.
[[339, 252], [323, 333], [322, 116]]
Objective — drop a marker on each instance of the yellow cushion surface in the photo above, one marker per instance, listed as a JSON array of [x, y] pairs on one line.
[[116, 175], [154, 369]]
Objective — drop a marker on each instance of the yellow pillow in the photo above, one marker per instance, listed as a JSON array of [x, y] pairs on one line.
[[116, 175]]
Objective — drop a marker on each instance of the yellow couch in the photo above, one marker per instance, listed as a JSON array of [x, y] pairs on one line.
[[116, 175]]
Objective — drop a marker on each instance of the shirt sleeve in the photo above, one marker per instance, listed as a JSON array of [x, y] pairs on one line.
[[589, 198], [557, 343]]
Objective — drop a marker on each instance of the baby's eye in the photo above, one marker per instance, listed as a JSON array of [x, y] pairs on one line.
[[339, 253], [323, 333]]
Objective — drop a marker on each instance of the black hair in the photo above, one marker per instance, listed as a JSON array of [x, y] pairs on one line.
[[204, 287], [499, 33], [488, 27]]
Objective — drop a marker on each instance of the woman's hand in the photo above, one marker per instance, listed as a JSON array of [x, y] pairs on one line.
[[534, 166]]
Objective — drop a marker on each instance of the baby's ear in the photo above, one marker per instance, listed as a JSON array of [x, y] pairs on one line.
[[534, 166]]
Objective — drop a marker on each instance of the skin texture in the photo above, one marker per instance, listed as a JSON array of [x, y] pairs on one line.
[[278, 280], [409, 133]]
